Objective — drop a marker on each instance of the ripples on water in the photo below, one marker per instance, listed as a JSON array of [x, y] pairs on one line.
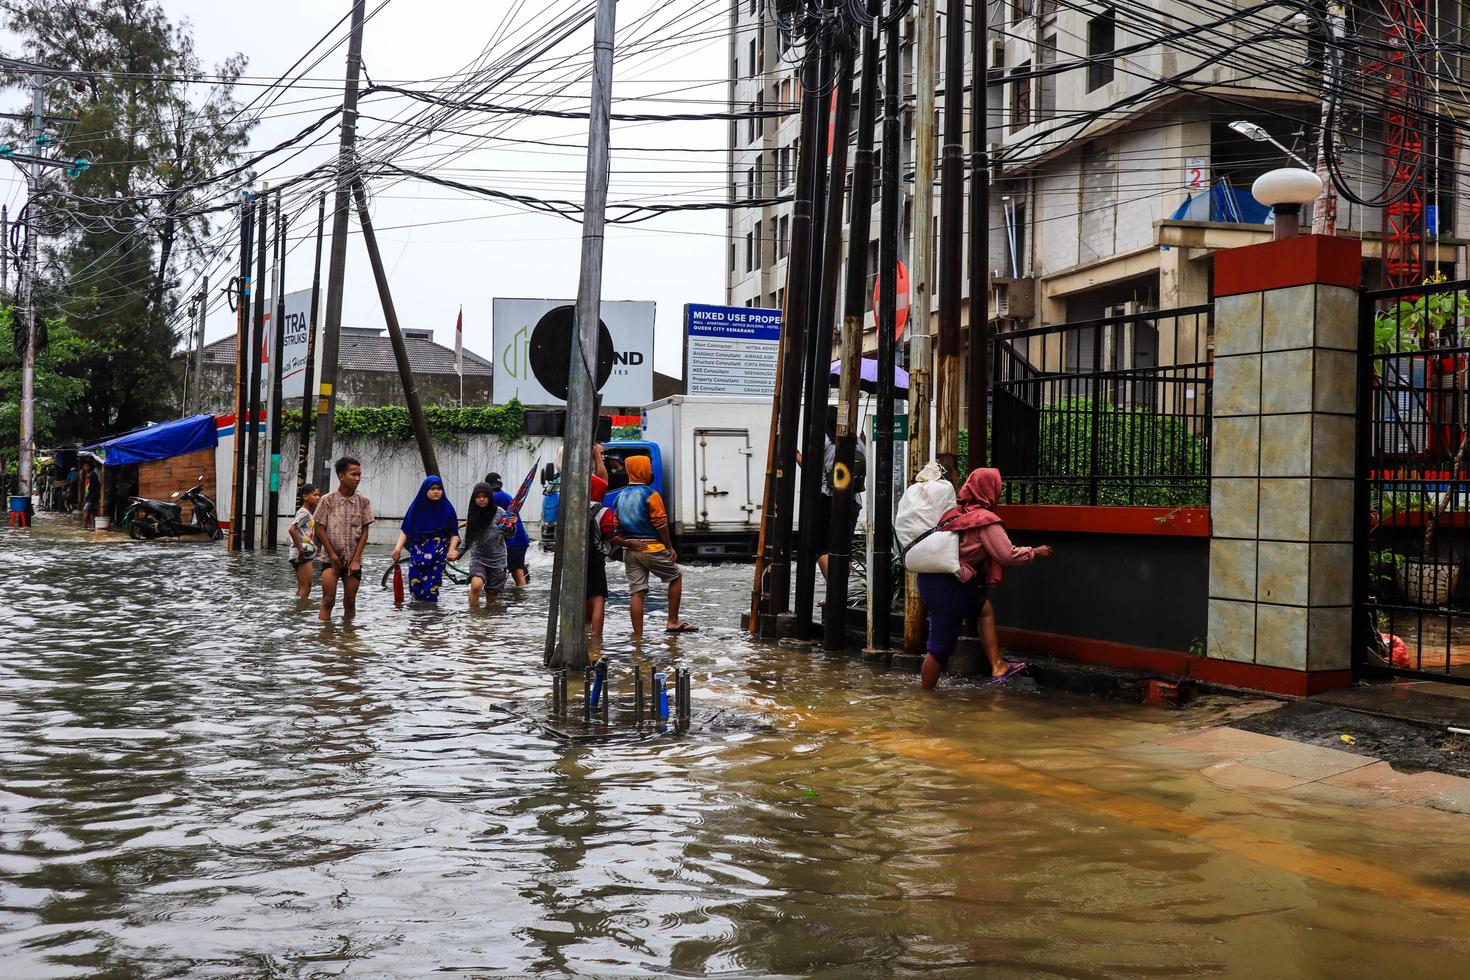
[[199, 779]]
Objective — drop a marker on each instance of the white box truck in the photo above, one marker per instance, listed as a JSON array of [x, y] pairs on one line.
[[709, 459]]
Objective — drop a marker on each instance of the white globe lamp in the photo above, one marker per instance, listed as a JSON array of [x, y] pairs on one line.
[[1284, 191]]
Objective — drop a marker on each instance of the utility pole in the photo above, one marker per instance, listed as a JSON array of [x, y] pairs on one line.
[[1324, 212], [326, 406], [202, 301], [979, 379], [395, 336], [921, 274], [850, 351], [4, 248], [189, 357], [951, 236], [30, 318], [257, 341], [818, 357], [774, 569], [303, 446], [242, 378], [571, 651], [840, 538], [880, 572], [278, 352]]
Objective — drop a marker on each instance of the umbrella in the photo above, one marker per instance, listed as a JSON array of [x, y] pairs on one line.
[[868, 377], [509, 521]]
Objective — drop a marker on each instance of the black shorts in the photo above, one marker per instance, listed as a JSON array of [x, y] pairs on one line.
[[596, 576], [516, 557]]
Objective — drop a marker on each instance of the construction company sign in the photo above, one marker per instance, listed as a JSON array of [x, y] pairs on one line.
[[523, 327], [293, 355], [730, 350]]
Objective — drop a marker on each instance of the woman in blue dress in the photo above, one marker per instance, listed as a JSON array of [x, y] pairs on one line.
[[431, 533]]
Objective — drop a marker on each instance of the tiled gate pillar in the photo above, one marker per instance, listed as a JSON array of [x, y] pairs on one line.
[[1282, 461]]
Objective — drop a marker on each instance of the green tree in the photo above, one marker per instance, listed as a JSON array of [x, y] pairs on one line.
[[58, 384], [158, 130]]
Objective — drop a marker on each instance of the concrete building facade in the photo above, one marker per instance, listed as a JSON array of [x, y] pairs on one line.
[[1114, 184]]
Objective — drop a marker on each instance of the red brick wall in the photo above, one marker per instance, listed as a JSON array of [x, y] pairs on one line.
[[158, 479]]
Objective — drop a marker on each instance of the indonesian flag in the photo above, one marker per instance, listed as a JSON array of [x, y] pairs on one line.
[[459, 344]]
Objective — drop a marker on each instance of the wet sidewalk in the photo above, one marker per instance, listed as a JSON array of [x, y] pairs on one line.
[[1253, 763]]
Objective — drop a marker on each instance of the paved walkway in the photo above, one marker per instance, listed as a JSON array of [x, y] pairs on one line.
[[1246, 761]]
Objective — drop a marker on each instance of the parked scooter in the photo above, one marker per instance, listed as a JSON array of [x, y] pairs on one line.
[[147, 519]]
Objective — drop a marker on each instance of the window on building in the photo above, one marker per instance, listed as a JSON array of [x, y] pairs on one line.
[[732, 257], [872, 267], [1021, 263], [760, 176], [753, 71], [759, 258], [781, 298], [771, 302], [760, 106], [751, 123], [750, 183], [783, 235], [1021, 96], [1101, 40], [1021, 9], [1046, 101], [749, 252]]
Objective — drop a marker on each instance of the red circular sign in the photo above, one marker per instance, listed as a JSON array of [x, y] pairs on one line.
[[902, 320]]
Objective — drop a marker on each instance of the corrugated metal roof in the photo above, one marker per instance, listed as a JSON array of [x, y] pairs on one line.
[[360, 352]]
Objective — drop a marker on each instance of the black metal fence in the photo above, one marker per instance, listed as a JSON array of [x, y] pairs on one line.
[[1417, 495], [1113, 411]]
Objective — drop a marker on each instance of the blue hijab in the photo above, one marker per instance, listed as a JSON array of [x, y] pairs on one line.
[[426, 518]]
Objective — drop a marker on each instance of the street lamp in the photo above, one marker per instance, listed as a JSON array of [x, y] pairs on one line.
[[1285, 191], [1253, 132]]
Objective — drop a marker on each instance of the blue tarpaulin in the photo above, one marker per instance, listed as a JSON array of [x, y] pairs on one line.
[[162, 441], [1225, 203]]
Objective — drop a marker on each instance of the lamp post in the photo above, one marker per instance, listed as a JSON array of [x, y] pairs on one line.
[[1285, 191]]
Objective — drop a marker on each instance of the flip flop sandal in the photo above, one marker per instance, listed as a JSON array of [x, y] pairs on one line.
[[682, 627], [1011, 671]]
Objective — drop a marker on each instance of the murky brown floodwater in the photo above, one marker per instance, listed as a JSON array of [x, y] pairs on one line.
[[199, 779]]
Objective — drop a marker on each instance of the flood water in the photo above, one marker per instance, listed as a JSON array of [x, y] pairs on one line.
[[199, 779]]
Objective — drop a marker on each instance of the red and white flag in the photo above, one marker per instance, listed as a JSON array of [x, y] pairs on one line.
[[459, 344]]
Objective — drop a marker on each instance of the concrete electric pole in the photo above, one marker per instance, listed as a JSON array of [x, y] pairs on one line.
[[571, 648], [326, 405]]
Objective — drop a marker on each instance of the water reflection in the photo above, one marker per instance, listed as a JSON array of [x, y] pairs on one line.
[[201, 779]]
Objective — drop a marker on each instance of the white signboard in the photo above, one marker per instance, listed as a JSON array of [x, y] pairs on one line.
[[730, 350], [298, 330], [629, 322]]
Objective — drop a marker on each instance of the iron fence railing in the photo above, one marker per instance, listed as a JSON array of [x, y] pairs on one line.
[[1416, 478], [1113, 411]]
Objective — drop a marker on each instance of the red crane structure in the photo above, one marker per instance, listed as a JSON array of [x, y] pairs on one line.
[[1404, 120]]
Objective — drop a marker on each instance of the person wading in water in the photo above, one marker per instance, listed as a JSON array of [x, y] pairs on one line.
[[431, 532], [985, 552], [342, 520]]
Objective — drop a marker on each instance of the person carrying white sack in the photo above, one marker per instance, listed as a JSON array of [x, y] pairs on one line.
[[964, 554]]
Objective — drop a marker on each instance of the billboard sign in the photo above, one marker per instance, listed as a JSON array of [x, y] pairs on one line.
[[298, 332], [516, 323], [730, 350]]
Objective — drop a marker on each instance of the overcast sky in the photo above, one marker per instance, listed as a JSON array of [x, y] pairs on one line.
[[445, 249]]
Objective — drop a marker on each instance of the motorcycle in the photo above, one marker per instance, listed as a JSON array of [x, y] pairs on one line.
[[148, 519]]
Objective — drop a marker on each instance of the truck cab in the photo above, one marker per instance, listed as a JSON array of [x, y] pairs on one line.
[[622, 450]]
